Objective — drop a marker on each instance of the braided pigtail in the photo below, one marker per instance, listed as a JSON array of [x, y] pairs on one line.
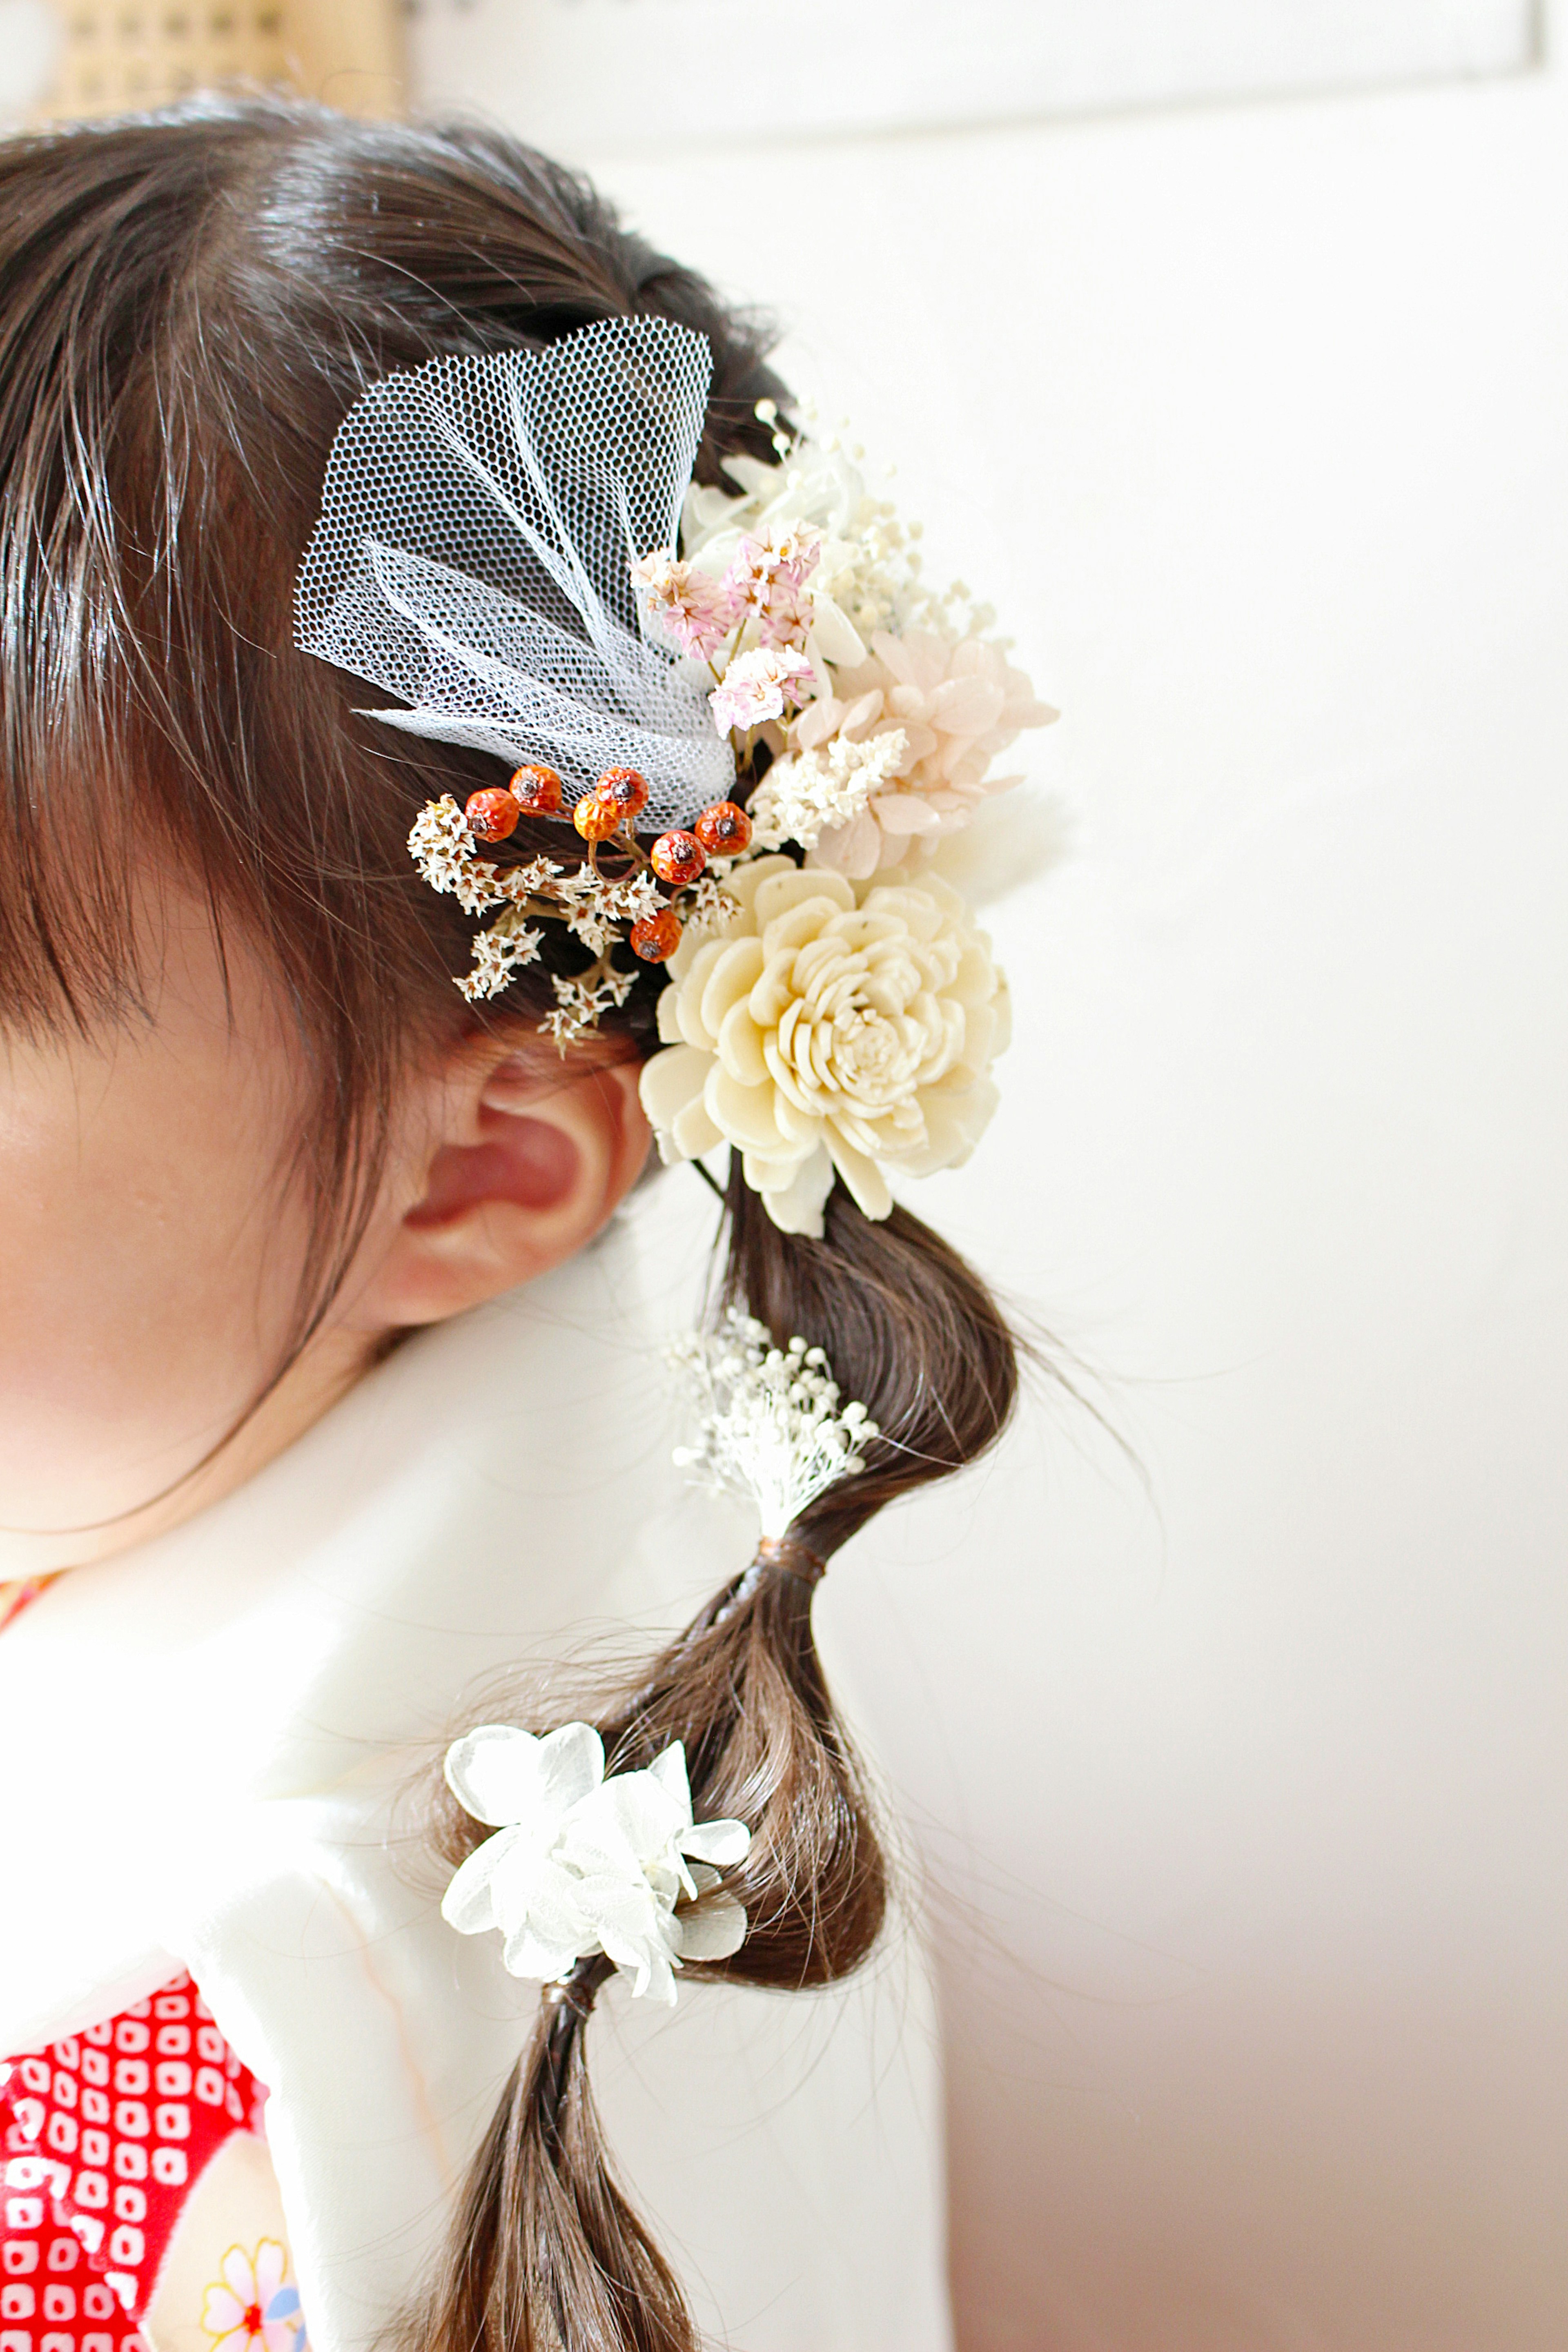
[[547, 2250]]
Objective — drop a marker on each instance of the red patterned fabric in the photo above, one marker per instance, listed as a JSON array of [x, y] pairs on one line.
[[104, 2133]]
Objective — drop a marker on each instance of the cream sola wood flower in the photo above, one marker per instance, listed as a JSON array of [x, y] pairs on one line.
[[581, 1863], [831, 1027]]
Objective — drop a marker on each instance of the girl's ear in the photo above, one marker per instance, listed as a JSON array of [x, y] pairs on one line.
[[515, 1172]]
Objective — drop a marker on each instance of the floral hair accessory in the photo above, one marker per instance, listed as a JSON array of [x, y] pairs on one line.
[[700, 688], [832, 1028], [583, 1863], [770, 1426]]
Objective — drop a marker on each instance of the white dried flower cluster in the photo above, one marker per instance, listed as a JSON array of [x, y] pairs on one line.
[[596, 908], [807, 794], [540, 879], [579, 1002], [883, 654], [585, 1861], [500, 954], [770, 1426], [710, 907], [442, 847]]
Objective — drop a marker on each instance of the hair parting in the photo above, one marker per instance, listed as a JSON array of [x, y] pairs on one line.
[[190, 303]]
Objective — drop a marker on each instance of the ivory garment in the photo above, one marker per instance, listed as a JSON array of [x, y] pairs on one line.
[[227, 1721]]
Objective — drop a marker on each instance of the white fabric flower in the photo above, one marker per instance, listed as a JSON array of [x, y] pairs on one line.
[[958, 703], [581, 1865], [830, 1028]]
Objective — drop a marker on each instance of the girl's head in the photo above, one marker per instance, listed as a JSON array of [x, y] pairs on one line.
[[246, 1124], [248, 1131]]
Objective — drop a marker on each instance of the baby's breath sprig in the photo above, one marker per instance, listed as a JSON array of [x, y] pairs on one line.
[[769, 1423]]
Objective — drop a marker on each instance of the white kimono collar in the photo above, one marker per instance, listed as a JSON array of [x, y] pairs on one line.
[[206, 1743]]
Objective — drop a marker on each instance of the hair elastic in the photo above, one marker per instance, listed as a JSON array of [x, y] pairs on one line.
[[781, 1556], [578, 1992]]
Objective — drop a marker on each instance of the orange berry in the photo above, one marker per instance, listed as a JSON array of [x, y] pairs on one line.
[[677, 857], [723, 830], [493, 814], [656, 936], [537, 790], [594, 819], [623, 790]]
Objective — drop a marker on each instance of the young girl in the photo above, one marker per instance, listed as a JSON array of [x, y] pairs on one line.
[[289, 404]]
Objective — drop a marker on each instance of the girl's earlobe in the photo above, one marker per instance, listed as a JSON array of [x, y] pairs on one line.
[[526, 1171]]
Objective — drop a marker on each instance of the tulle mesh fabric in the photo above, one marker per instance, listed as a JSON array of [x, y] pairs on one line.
[[477, 523]]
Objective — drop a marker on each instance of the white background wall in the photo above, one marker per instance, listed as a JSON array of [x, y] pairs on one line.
[[650, 75], [1244, 1770]]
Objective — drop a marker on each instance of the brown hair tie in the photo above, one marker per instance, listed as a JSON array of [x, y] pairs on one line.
[[775, 1556], [787, 1555], [579, 1990]]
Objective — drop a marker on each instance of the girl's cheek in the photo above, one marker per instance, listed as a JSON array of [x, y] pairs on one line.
[[148, 1265]]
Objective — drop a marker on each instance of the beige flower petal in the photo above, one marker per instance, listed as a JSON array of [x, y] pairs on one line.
[[905, 813], [740, 1046], [745, 1114], [967, 706], [780, 892], [834, 636], [817, 723], [747, 879], [854, 849], [728, 980], [796, 926], [667, 1015], [795, 1207], [669, 1081], [688, 1000], [693, 1132], [1002, 1005], [867, 1184]]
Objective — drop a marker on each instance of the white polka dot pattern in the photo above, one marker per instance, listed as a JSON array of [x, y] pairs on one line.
[[103, 2135]]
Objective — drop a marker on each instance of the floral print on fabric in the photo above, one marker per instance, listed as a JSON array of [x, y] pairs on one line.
[[103, 2136], [254, 2302]]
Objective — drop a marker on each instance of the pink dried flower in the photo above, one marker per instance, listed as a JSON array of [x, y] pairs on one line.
[[757, 686], [767, 580], [689, 606]]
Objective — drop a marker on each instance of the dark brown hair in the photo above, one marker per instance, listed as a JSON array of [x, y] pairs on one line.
[[189, 304]]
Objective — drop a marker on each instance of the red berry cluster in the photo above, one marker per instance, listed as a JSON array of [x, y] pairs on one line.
[[617, 801]]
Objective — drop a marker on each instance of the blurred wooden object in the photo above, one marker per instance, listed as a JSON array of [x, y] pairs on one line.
[[122, 57]]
